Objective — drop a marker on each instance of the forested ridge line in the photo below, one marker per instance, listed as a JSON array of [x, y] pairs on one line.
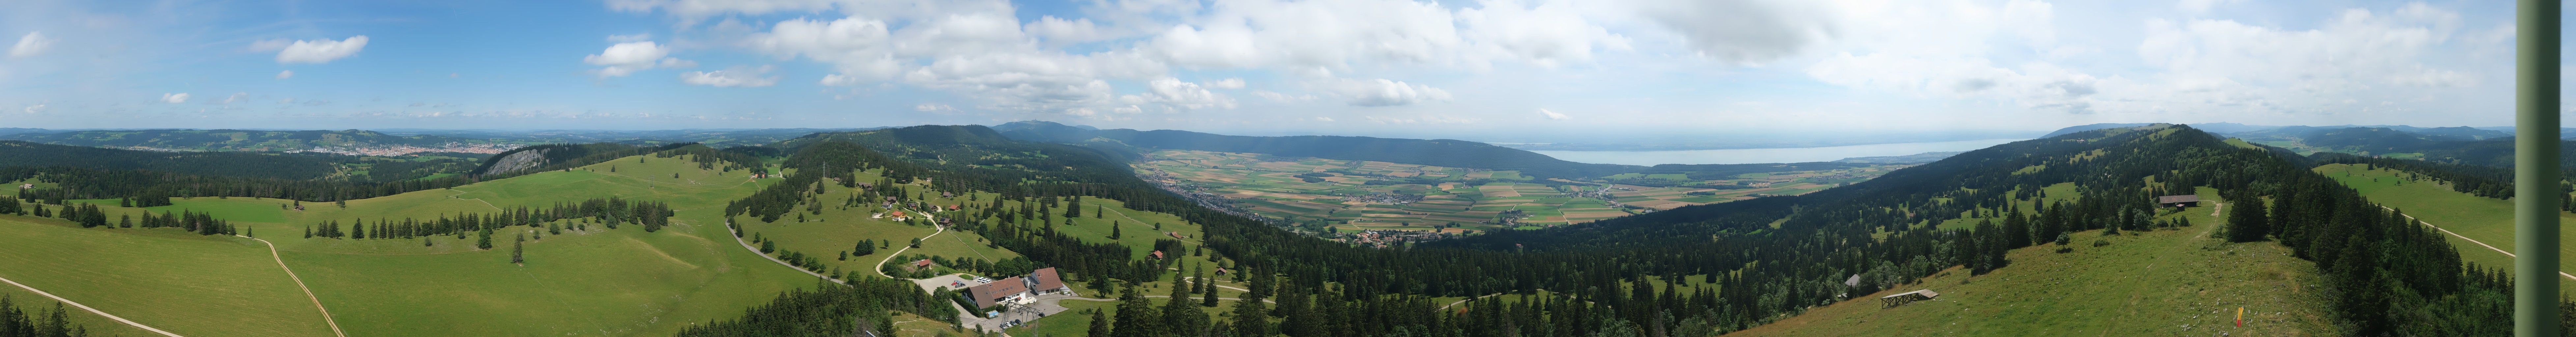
[[151, 187]]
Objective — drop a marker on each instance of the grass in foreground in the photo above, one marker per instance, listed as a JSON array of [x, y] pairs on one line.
[[192, 286]]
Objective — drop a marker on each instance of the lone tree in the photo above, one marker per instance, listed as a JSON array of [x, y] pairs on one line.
[[516, 247]]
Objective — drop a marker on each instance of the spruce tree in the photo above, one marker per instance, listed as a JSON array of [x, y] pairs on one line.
[[1180, 317], [1250, 320], [1208, 297], [1135, 317], [2245, 220], [1099, 324], [518, 246]]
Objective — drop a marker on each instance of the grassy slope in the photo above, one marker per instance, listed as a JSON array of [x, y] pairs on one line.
[[2487, 220], [2166, 282], [182, 283], [96, 325], [622, 282]]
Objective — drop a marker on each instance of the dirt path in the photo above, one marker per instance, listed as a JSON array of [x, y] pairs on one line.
[[299, 284], [1213, 283], [87, 308], [2457, 235]]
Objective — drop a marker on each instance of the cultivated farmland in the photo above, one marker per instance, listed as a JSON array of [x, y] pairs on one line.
[[1373, 195]]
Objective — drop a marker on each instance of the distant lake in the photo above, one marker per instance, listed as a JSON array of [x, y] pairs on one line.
[[1751, 156]]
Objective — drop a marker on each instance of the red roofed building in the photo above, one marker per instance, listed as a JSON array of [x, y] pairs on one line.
[[1044, 280], [1010, 290], [923, 263], [1156, 254]]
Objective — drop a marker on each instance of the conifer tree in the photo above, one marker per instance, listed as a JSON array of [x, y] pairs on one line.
[[2245, 221], [1099, 324], [1250, 320], [1135, 317], [518, 246], [1180, 317]]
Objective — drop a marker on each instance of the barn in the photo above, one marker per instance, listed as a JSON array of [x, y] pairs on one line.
[[2178, 201]]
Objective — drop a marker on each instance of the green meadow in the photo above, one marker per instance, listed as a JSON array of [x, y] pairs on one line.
[[594, 282], [185, 284], [2151, 283]]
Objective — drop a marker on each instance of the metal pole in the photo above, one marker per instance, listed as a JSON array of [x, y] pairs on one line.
[[2535, 185]]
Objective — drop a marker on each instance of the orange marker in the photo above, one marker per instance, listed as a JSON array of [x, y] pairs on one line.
[[2240, 317]]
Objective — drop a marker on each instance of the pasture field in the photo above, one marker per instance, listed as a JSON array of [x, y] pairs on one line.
[[2145, 283], [593, 282], [185, 284], [36, 305], [2484, 219], [1422, 197]]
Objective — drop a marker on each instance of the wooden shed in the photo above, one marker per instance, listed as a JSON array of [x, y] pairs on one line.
[[2178, 201], [1891, 301]]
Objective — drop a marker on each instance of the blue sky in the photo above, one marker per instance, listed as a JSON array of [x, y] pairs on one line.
[[1535, 70]]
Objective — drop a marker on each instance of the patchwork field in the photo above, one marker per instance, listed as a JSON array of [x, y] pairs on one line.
[[1370, 195]]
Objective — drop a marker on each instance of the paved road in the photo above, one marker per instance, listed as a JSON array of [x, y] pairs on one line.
[[934, 222], [299, 284]]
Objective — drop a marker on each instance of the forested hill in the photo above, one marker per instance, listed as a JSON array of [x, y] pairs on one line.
[[2380, 266], [233, 140], [1436, 152], [271, 166]]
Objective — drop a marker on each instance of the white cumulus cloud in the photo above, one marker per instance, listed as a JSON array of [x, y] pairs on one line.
[[735, 77], [1230, 83], [175, 98], [1184, 95], [1383, 92], [32, 44], [318, 51], [1552, 115], [285, 74], [626, 58], [39, 108]]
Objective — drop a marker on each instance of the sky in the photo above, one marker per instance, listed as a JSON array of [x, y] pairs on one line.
[[1494, 70]]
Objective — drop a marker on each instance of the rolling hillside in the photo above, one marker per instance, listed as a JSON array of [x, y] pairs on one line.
[[595, 281]]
